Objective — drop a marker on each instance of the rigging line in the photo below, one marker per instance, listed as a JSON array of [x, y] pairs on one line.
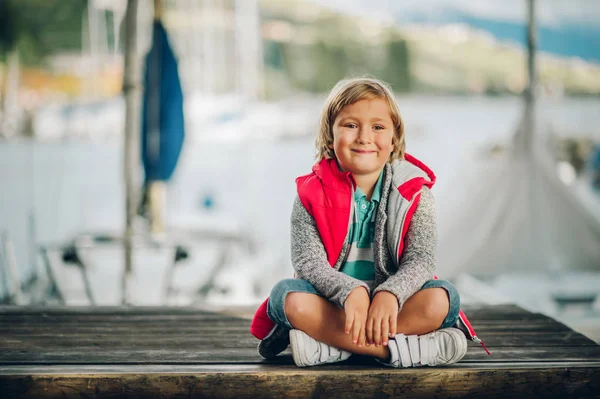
[[32, 253]]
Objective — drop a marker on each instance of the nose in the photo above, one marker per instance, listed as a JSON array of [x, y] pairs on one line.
[[364, 135]]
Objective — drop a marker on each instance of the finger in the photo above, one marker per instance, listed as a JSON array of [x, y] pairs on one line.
[[349, 322], [361, 338], [393, 325], [356, 329], [377, 331], [369, 331], [385, 330]]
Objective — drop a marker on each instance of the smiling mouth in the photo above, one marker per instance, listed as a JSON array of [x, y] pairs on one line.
[[363, 152]]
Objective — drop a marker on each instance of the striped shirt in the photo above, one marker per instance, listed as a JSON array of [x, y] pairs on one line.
[[360, 263]]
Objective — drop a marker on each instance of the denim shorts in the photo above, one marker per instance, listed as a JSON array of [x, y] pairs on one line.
[[276, 312]]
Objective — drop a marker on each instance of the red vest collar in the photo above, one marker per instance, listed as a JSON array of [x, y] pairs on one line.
[[330, 174]]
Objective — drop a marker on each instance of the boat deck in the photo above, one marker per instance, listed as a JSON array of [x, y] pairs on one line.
[[73, 352]]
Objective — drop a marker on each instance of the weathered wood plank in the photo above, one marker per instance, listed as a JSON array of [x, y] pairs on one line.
[[190, 336], [147, 320], [34, 321], [381, 383], [104, 310], [520, 328], [175, 352], [540, 354], [228, 355], [479, 312], [567, 338], [234, 339], [282, 365], [107, 326], [94, 318]]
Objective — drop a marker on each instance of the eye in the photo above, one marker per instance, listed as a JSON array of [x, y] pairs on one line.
[[350, 125], [379, 127]]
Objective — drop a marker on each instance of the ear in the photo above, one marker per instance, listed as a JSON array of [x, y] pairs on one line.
[[330, 146]]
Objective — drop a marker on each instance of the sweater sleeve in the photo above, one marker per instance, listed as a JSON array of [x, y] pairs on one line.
[[309, 259], [418, 262]]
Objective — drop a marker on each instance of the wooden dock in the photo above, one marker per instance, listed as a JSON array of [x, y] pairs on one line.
[[95, 352]]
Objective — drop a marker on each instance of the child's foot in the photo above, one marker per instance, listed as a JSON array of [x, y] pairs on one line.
[[439, 348], [308, 351], [274, 343]]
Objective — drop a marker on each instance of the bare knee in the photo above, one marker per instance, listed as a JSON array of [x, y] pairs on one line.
[[435, 308], [297, 306]]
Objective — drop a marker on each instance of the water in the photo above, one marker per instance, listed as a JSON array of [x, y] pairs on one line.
[[67, 187]]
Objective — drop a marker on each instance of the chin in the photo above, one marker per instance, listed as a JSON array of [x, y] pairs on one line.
[[357, 170], [358, 165]]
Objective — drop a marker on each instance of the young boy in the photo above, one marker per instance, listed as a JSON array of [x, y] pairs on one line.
[[363, 248]]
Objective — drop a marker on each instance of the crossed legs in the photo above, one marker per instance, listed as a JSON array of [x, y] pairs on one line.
[[324, 321]]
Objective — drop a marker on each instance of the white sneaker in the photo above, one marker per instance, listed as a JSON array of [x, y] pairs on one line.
[[308, 351], [439, 348]]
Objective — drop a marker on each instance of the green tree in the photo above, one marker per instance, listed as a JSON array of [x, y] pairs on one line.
[[36, 28]]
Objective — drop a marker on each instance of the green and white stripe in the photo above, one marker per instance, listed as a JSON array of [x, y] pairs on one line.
[[360, 262]]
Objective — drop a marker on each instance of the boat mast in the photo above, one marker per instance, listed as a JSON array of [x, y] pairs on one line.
[[532, 79], [531, 49], [132, 94]]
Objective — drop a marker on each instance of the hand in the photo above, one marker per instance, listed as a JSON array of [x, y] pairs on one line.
[[382, 318], [357, 308]]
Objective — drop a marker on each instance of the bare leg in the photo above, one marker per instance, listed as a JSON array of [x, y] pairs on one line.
[[324, 321], [423, 312]]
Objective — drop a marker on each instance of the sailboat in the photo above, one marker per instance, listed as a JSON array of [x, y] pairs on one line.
[[525, 236], [517, 214], [139, 265]]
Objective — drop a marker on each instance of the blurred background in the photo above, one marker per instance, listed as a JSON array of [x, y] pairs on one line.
[[148, 149]]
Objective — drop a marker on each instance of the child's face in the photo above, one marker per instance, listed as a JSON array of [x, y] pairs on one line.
[[362, 136]]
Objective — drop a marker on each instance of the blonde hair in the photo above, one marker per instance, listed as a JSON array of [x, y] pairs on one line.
[[350, 91]]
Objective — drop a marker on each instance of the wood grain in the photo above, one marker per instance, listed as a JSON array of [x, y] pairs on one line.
[[377, 383], [184, 352]]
